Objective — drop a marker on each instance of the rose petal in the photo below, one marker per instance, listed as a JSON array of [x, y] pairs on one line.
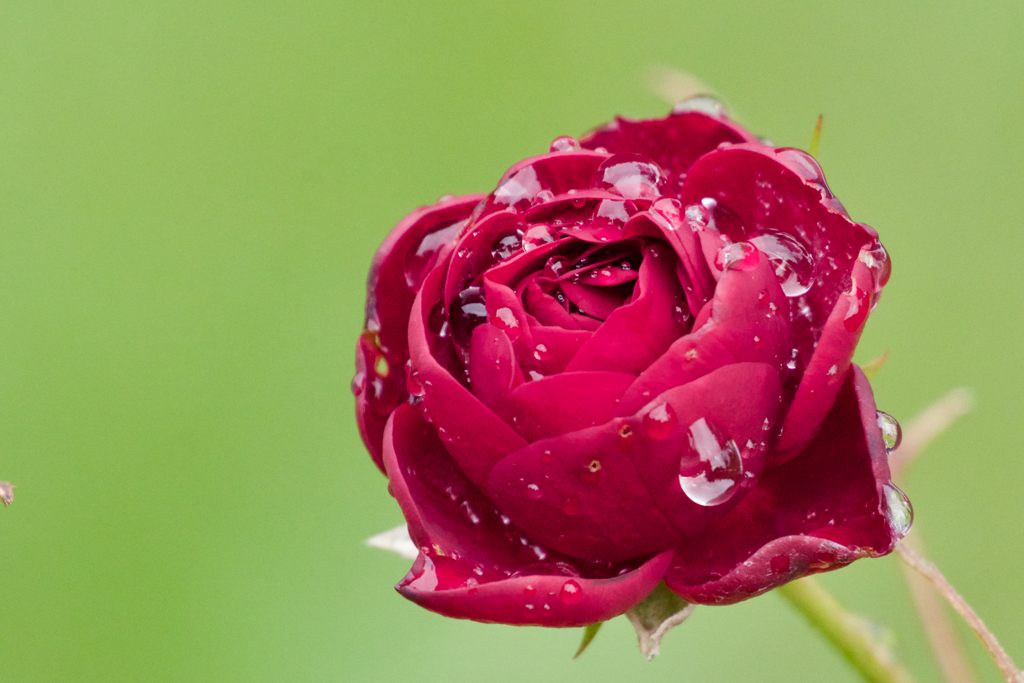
[[474, 435], [635, 335], [399, 265], [736, 401], [580, 493], [748, 322], [674, 142], [554, 601], [816, 513], [564, 402], [827, 368]]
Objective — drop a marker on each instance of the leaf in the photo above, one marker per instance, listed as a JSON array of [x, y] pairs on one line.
[[589, 631], [396, 540], [659, 613]]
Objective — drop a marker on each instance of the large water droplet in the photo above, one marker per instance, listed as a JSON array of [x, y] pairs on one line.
[[359, 384], [805, 166], [633, 176], [538, 236], [533, 492], [505, 320], [564, 144], [877, 260], [741, 256], [892, 433], [465, 312], [570, 593], [519, 190], [898, 510], [711, 466], [793, 264], [506, 245], [660, 421], [703, 104]]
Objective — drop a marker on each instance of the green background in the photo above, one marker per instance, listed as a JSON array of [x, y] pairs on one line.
[[189, 198]]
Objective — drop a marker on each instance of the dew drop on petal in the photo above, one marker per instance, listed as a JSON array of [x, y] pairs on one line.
[[505, 320], [633, 176], [506, 245], [711, 466], [538, 236], [741, 256], [877, 261], [572, 505], [466, 311], [857, 313], [892, 433], [898, 510], [793, 264], [660, 421], [564, 144], [533, 492], [703, 104], [570, 593]]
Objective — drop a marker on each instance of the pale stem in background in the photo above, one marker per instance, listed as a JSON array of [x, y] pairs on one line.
[[674, 86], [1010, 671], [944, 640], [919, 433]]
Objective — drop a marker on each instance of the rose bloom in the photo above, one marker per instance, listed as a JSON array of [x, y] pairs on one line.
[[630, 363]]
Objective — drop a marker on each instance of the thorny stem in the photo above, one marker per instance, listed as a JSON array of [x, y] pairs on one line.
[[1010, 671], [849, 633]]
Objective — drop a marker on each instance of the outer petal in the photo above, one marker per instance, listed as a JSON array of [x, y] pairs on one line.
[[409, 251], [580, 493], [819, 512], [827, 368], [738, 401], [545, 600], [675, 142], [476, 564]]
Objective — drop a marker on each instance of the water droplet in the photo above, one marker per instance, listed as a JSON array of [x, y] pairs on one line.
[[469, 512], [740, 256], [633, 176], [529, 591], [805, 166], [892, 433], [505, 320], [660, 421], [359, 384], [670, 210], [506, 245], [564, 144], [521, 188], [857, 313], [612, 212], [877, 261], [757, 342], [538, 236], [572, 505], [680, 313], [702, 104], [711, 466], [579, 202], [570, 593], [533, 492], [465, 312], [793, 264], [546, 458], [897, 510]]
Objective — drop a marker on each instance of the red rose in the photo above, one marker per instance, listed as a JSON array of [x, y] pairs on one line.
[[629, 363]]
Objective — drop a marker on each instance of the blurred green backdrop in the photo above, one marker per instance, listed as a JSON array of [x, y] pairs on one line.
[[190, 194]]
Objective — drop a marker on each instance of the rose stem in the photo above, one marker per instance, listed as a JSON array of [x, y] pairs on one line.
[[847, 632], [1010, 671], [945, 642]]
